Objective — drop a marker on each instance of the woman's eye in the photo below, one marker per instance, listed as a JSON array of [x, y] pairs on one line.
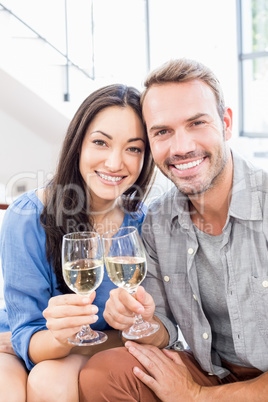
[[100, 143], [135, 150]]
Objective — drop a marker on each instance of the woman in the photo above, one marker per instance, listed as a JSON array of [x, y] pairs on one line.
[[103, 174]]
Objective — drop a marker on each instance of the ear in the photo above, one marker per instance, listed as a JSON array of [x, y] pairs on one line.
[[228, 123]]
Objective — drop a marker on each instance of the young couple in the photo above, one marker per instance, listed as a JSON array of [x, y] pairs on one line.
[[206, 243]]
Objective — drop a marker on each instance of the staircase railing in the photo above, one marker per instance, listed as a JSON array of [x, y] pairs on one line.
[[68, 61]]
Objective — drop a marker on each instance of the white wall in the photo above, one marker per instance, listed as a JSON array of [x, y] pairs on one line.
[[203, 30], [26, 159], [24, 155]]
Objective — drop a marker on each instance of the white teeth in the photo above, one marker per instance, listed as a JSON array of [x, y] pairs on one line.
[[110, 178], [189, 165]]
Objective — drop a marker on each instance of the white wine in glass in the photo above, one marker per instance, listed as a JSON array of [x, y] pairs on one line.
[[83, 269], [126, 266]]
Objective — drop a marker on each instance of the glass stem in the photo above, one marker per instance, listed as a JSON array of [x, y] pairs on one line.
[[86, 331], [138, 319]]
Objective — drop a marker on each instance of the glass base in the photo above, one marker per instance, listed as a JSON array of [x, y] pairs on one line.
[[141, 330], [88, 340]]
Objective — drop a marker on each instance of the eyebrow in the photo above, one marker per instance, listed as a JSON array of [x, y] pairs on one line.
[[110, 137], [197, 116], [162, 126], [158, 127]]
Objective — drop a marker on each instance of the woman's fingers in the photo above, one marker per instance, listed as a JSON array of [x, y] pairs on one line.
[[70, 305], [66, 314]]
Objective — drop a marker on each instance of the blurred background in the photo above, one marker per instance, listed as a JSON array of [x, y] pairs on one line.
[[54, 53]]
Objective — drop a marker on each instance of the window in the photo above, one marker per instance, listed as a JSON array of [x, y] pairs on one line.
[[253, 66]]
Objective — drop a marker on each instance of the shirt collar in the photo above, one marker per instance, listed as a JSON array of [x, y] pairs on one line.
[[180, 207], [247, 183]]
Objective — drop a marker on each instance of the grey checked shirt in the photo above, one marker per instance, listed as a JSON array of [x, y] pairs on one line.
[[171, 246]]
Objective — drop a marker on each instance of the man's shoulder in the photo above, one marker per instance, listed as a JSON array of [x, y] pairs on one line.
[[244, 169]]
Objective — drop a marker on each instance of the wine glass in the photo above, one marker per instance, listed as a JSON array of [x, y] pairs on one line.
[[83, 270], [126, 266]]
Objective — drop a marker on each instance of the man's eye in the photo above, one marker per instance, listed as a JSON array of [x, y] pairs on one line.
[[161, 132], [100, 143], [198, 123]]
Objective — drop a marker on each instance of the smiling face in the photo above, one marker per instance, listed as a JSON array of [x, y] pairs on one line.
[[112, 153], [186, 134]]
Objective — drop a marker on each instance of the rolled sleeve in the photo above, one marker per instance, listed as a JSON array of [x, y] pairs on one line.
[[28, 278]]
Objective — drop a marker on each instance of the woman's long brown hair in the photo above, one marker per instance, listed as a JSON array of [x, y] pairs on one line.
[[67, 198]]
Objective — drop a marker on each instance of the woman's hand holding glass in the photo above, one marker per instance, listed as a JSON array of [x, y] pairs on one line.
[[66, 314], [83, 270]]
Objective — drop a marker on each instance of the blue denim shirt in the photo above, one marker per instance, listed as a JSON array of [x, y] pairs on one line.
[[29, 280], [171, 245]]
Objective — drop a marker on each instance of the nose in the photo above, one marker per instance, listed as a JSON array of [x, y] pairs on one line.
[[182, 143], [114, 162]]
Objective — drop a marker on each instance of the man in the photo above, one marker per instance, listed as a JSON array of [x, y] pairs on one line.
[[206, 243]]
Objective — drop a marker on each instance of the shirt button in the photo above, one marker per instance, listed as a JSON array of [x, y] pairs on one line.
[[265, 284], [194, 296], [205, 336], [166, 278], [190, 250], [210, 374]]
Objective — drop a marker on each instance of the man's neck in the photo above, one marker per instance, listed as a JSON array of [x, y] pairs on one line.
[[209, 210]]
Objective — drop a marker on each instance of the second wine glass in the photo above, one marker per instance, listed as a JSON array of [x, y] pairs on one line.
[[126, 266], [83, 269]]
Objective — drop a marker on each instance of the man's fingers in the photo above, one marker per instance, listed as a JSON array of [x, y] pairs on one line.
[[117, 315], [146, 379], [149, 356], [174, 356], [128, 301]]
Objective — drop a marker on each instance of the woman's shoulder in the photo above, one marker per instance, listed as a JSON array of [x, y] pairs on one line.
[[21, 223], [23, 212], [28, 203]]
